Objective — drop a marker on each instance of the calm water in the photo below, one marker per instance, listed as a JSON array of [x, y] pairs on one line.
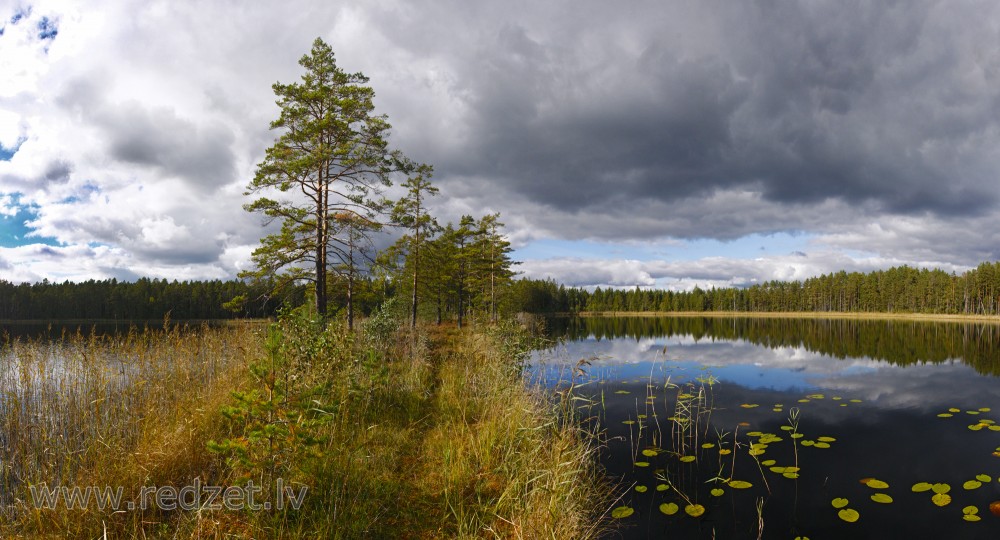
[[840, 402], [62, 330]]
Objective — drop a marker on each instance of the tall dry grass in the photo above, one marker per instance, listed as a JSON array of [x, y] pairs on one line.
[[124, 411], [509, 462]]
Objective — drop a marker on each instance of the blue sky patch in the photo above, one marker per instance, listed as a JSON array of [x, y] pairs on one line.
[[7, 153], [20, 14], [14, 231], [47, 29]]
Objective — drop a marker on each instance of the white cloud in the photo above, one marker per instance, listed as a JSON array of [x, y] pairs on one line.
[[143, 121], [706, 272]]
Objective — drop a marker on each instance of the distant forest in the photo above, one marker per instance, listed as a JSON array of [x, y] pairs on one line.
[[897, 290], [144, 299]]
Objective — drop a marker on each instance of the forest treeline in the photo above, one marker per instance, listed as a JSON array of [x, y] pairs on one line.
[[143, 299], [897, 290]]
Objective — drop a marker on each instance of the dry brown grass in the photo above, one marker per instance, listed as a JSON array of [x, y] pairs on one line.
[[127, 412]]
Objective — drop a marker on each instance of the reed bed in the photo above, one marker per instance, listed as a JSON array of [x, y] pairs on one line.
[[124, 411]]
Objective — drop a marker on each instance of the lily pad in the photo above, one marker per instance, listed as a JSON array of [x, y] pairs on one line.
[[941, 488], [718, 492], [821, 444], [825, 439], [740, 484], [849, 515], [970, 513], [628, 422], [641, 488], [708, 445], [881, 498], [954, 410], [642, 464], [876, 484], [920, 487], [687, 459], [768, 462], [622, 512], [725, 451], [694, 510], [839, 502], [808, 442], [749, 405], [669, 508], [789, 474], [650, 452], [662, 487], [984, 478], [972, 484], [941, 499], [945, 415]]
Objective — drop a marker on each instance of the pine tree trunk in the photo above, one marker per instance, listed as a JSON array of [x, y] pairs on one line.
[[413, 300]]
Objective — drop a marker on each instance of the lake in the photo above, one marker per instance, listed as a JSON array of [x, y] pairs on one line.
[[785, 428]]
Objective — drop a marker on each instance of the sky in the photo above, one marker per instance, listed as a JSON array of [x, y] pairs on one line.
[[650, 143]]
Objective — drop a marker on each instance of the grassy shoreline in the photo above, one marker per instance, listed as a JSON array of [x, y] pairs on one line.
[[931, 317], [392, 433]]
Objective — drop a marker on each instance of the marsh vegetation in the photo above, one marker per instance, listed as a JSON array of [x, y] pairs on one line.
[[389, 432]]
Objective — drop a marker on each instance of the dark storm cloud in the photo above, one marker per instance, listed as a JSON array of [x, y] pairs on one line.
[[178, 147], [57, 171], [198, 153], [887, 105]]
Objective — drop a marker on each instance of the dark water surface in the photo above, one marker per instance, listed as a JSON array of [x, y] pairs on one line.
[[61, 330], [862, 399]]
